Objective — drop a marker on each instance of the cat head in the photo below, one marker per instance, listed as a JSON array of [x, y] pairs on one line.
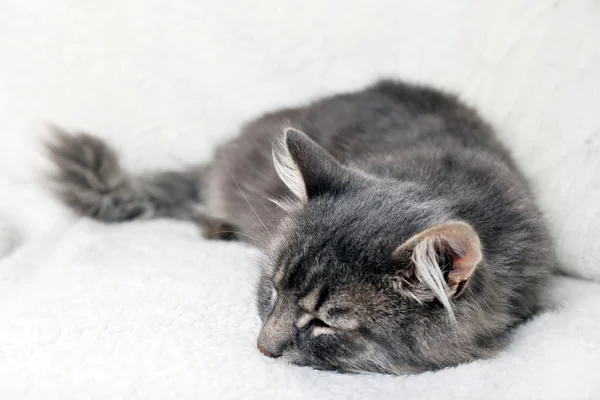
[[364, 273]]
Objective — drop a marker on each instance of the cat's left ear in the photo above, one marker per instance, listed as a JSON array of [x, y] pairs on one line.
[[439, 261], [306, 168]]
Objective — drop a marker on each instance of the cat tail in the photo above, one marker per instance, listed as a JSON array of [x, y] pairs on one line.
[[89, 179]]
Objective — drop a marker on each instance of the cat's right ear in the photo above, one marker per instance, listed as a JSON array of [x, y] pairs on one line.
[[305, 167]]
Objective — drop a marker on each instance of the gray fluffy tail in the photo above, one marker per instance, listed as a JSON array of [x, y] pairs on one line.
[[90, 181]]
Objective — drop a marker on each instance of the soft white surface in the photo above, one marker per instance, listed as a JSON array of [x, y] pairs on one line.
[[150, 310]]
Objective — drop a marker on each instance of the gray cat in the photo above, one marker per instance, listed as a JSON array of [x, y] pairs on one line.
[[398, 234]]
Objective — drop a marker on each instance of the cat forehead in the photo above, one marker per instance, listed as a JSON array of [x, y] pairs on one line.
[[312, 290], [302, 277], [336, 262]]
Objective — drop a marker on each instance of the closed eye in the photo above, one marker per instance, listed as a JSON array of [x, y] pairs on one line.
[[308, 321], [317, 328], [316, 323], [267, 298]]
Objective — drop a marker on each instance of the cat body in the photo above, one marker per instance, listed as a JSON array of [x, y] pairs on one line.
[[397, 233]]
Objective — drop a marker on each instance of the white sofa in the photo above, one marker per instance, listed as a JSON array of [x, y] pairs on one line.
[[149, 310]]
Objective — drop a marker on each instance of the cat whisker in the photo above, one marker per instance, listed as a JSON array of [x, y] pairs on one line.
[[245, 198], [257, 241]]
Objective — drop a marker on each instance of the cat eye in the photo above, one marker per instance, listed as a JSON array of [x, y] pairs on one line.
[[319, 322], [315, 323], [317, 327]]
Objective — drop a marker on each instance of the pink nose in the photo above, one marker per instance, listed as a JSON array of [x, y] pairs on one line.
[[264, 352]]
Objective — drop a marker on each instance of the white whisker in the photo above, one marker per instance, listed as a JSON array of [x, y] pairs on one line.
[[238, 233], [245, 198], [286, 204]]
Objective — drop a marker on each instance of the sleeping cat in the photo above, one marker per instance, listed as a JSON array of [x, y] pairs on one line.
[[398, 235]]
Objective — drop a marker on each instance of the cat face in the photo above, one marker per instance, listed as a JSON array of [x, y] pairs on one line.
[[353, 281]]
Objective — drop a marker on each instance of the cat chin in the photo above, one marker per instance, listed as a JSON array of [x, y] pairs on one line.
[[293, 357]]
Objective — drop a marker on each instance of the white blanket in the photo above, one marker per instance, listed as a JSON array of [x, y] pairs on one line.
[[150, 310]]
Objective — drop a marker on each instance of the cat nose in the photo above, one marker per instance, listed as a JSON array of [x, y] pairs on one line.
[[265, 352], [274, 337]]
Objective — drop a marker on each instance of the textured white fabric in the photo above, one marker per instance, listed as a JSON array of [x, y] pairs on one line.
[[149, 310]]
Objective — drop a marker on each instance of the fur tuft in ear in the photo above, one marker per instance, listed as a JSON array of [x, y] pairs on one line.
[[439, 262], [305, 167], [287, 169]]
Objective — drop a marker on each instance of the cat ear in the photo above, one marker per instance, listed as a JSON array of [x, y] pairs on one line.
[[440, 260], [304, 166]]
